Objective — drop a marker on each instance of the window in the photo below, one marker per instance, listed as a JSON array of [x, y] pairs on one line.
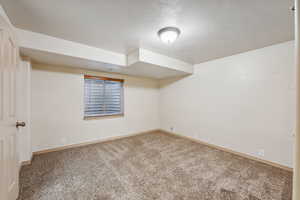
[[102, 96]]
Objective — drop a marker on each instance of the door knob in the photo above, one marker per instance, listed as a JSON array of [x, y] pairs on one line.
[[18, 124]]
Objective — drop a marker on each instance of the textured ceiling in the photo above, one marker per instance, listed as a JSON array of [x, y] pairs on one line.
[[210, 28]]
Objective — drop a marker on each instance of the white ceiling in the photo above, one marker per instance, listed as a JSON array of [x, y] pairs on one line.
[[210, 28]]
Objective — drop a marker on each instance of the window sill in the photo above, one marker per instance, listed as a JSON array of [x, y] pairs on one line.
[[103, 116]]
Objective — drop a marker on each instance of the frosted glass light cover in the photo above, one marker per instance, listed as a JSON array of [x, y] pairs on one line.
[[169, 34]]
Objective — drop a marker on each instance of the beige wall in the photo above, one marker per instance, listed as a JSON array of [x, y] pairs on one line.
[[243, 102], [57, 108]]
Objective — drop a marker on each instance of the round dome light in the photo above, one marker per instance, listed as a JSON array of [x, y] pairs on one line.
[[168, 34]]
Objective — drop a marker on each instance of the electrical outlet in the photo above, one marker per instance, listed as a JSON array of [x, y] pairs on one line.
[[63, 140], [293, 134], [261, 152], [195, 134], [172, 128]]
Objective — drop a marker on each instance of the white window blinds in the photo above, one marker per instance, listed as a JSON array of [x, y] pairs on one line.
[[102, 96]]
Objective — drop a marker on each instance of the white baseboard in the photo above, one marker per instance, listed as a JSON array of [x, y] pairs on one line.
[[90, 142], [160, 130], [232, 151]]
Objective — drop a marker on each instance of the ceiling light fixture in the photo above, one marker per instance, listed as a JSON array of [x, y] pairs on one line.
[[168, 34]]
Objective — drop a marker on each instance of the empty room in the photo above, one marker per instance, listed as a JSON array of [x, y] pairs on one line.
[[149, 100]]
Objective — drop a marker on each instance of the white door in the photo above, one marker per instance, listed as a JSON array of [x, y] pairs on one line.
[[9, 167]]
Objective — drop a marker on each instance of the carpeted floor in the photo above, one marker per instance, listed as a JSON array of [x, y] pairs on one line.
[[152, 166]]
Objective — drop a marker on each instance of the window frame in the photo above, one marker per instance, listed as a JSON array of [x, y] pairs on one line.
[[121, 95]]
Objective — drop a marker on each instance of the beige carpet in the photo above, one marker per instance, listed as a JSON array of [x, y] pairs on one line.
[[151, 166]]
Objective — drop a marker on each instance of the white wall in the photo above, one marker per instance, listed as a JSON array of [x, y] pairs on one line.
[[57, 108], [243, 102], [4, 15]]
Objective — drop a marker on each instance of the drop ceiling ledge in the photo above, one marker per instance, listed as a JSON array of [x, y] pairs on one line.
[[42, 48]]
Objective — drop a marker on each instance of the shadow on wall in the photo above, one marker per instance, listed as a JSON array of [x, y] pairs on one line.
[[165, 82], [132, 81]]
